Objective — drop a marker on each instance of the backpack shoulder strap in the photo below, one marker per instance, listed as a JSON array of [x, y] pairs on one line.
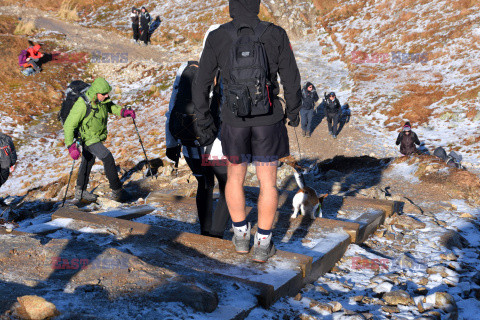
[[261, 28]]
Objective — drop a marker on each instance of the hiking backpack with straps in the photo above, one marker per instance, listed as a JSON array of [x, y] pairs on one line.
[[247, 90], [75, 90], [7, 157], [22, 58], [182, 122]]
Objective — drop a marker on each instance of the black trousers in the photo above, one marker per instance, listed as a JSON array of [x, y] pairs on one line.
[[211, 223], [136, 33], [144, 36], [4, 173], [333, 117], [89, 154]]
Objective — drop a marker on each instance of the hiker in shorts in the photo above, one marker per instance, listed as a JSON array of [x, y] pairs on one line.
[[262, 138], [135, 17], [206, 163], [8, 157], [93, 132], [333, 112], [309, 98], [407, 139], [144, 25]]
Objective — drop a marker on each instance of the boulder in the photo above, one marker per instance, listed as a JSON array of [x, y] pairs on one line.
[[35, 308]]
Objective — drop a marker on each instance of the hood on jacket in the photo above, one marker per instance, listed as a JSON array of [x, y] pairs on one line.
[[101, 86], [407, 126], [244, 10]]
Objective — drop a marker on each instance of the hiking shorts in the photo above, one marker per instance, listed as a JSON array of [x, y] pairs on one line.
[[255, 144]]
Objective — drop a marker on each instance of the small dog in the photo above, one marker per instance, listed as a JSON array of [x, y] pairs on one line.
[[306, 200]]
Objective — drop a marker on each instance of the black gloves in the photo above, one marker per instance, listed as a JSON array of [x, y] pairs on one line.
[[295, 122], [173, 153]]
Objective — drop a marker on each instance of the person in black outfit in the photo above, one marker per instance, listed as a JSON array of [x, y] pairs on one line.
[[262, 139], [333, 112], [407, 139], [144, 25], [8, 157], [309, 98], [135, 17]]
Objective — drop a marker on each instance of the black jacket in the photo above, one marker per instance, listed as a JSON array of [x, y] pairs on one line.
[[134, 16], [309, 98], [332, 106], [145, 20], [281, 61], [407, 142]]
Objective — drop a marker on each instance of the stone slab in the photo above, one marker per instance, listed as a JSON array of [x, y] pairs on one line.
[[282, 275], [390, 207], [369, 222], [129, 213]]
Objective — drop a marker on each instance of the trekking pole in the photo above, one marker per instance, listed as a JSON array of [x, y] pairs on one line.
[[68, 183], [141, 143], [298, 143]]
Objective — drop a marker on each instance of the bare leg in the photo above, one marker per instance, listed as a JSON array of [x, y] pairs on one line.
[[268, 199], [234, 193]]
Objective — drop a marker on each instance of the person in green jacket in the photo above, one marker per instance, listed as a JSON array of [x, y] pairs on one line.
[[92, 128]]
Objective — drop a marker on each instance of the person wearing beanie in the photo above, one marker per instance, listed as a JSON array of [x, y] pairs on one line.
[[92, 128], [144, 25], [407, 139], [260, 138]]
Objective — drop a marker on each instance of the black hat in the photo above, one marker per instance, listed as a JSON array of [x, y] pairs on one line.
[[331, 94]]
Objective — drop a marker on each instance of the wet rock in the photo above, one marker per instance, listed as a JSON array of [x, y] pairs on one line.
[[35, 308], [398, 297]]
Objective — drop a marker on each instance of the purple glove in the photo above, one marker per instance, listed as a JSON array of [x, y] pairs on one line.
[[128, 113], [74, 152]]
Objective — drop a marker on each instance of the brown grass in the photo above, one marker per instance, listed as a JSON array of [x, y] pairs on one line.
[[325, 6], [68, 11], [25, 28]]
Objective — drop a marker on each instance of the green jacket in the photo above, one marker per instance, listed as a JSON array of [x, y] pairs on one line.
[[93, 129]]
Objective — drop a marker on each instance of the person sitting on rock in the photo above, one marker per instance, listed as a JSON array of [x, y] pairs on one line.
[[407, 139], [33, 57]]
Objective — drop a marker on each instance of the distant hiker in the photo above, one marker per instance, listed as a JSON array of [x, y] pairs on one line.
[[154, 26], [453, 159], [333, 112], [135, 17], [407, 139], [92, 128], [309, 98], [144, 25], [8, 157], [251, 132], [26, 68], [345, 114], [33, 57]]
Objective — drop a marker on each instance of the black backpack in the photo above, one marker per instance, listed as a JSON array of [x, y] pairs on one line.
[[7, 158], [183, 122], [247, 90], [75, 90]]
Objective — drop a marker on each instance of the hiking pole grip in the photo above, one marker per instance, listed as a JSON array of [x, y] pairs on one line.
[[68, 183]]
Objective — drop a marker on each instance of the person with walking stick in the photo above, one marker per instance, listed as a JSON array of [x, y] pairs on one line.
[[92, 129]]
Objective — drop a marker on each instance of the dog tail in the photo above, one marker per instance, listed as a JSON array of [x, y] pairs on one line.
[[299, 179]]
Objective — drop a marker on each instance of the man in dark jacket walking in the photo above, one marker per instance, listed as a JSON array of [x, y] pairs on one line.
[[144, 25], [262, 139], [135, 17], [8, 157], [333, 111], [309, 98], [407, 139]]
